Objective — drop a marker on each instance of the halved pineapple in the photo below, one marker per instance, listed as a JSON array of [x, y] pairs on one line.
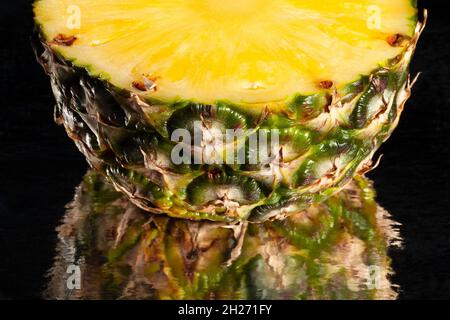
[[330, 76]]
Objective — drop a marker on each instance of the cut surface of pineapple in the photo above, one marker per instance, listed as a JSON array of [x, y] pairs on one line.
[[246, 52]]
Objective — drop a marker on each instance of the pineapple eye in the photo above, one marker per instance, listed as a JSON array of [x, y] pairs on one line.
[[63, 40], [224, 189]]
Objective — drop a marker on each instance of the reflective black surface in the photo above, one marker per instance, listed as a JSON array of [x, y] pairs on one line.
[[337, 249], [40, 167]]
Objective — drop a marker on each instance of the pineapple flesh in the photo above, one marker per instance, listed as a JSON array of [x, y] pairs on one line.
[[333, 250], [330, 77]]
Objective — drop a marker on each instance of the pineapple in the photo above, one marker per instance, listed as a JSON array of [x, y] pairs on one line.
[[333, 250], [327, 80]]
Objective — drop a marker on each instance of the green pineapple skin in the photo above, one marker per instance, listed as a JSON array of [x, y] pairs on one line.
[[124, 138], [329, 251]]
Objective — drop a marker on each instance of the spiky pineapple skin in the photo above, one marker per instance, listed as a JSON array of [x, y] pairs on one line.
[[128, 140], [333, 250]]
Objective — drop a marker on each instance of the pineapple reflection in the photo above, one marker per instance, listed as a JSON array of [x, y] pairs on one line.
[[334, 250]]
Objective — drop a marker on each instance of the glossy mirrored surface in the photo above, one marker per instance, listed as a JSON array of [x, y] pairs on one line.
[[110, 249]]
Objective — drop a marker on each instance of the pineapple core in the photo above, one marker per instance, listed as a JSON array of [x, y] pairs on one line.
[[254, 52]]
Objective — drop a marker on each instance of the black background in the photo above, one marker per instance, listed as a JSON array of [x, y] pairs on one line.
[[40, 167]]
